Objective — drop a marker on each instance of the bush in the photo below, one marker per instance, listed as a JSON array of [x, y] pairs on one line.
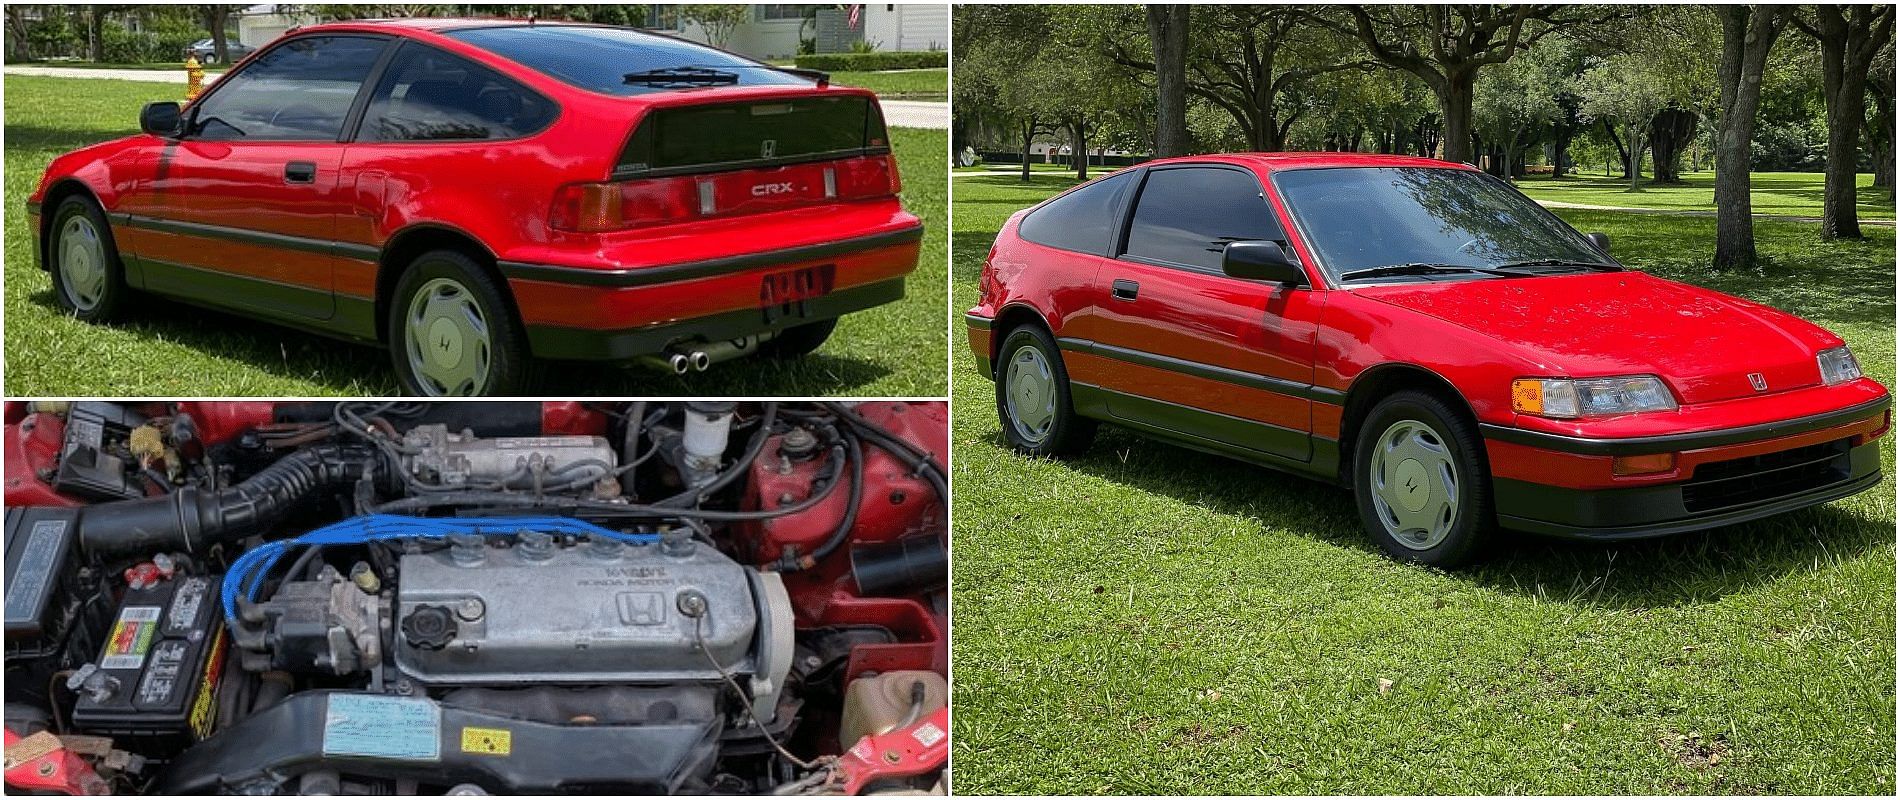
[[871, 62]]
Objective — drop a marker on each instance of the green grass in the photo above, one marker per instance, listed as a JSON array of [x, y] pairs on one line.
[[1784, 193], [167, 348], [1146, 619], [159, 66], [905, 84]]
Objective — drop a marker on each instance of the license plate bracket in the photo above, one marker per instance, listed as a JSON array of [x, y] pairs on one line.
[[796, 285]]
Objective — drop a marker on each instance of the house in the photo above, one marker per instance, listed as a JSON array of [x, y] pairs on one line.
[[770, 31]]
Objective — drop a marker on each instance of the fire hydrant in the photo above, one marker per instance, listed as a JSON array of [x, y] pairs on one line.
[[194, 77]]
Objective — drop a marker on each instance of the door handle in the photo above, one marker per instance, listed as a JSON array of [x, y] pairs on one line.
[[1124, 289], [300, 172]]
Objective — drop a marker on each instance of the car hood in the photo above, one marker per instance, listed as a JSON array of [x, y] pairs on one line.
[[1704, 344]]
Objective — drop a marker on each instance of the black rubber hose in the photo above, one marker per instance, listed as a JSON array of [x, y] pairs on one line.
[[846, 523], [193, 519]]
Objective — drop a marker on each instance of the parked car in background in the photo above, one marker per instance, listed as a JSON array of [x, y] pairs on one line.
[[1422, 333], [207, 53], [477, 194]]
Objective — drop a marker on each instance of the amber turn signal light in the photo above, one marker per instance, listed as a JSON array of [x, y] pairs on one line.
[[1643, 465]]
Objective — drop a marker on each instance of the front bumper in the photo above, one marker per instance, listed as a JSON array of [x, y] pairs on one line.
[[621, 314], [1565, 486]]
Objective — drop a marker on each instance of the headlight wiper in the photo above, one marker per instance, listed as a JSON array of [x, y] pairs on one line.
[[1419, 268]]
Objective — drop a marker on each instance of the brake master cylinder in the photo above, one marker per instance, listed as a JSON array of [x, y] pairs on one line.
[[708, 427]]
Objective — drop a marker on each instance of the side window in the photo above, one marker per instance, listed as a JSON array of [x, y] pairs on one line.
[[300, 90], [1187, 216], [1082, 220], [429, 95]]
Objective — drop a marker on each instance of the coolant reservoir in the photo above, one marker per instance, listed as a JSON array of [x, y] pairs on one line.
[[882, 702]]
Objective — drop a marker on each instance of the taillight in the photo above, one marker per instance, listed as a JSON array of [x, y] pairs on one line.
[[867, 177], [597, 207], [619, 205]]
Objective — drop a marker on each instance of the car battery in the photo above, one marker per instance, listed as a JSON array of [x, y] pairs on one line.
[[41, 543], [156, 678]]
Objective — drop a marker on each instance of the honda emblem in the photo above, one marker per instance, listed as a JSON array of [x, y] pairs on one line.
[[1758, 381], [768, 148]]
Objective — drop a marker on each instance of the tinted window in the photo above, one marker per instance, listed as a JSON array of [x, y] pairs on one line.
[[1082, 220], [1364, 217], [735, 134], [599, 59], [1187, 216], [300, 90], [427, 94]]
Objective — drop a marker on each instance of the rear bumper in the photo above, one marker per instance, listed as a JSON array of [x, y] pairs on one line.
[[1567, 487], [619, 314], [980, 328]]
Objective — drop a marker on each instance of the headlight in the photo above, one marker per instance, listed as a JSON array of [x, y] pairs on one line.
[[1563, 398], [1837, 365]]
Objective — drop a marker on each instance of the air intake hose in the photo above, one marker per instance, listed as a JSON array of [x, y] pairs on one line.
[[192, 519]]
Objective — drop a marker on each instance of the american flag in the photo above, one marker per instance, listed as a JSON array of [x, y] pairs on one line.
[[851, 19]]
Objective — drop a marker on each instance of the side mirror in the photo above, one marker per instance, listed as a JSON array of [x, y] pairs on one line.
[[1261, 261], [160, 119], [1601, 240]]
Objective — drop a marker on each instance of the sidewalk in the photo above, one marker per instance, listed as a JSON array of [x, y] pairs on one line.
[[897, 113]]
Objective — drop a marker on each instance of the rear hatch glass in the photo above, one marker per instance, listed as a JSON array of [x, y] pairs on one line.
[[749, 135]]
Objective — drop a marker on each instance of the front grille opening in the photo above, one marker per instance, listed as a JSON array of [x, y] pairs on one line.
[[1769, 476]]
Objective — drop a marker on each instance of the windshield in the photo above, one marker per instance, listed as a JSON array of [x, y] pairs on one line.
[[1423, 223], [600, 59]]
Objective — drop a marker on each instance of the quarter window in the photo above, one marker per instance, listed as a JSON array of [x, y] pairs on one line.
[[1082, 220], [300, 90], [430, 95], [1187, 216]]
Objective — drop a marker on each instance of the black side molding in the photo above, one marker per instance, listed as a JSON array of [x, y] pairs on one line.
[[1682, 441], [1305, 391]]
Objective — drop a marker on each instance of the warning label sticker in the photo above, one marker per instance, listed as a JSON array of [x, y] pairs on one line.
[[131, 638], [487, 741], [378, 726]]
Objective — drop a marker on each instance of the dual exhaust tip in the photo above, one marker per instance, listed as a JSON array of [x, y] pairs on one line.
[[683, 362]]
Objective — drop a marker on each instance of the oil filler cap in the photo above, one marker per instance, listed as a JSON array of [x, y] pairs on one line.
[[429, 627]]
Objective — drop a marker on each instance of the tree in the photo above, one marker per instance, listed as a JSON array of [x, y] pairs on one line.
[[1748, 33], [1513, 103], [216, 19], [1446, 46], [1880, 128], [1168, 31], [717, 20], [1850, 38], [1622, 89]]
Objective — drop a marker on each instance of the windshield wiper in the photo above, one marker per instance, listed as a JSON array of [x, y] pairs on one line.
[[683, 75], [822, 77], [1561, 262], [1418, 269]]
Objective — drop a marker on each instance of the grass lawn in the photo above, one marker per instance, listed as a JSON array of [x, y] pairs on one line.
[[168, 348], [1146, 619], [902, 84], [178, 65], [1786, 193]]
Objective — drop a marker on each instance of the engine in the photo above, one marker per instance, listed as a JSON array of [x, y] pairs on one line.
[[473, 598]]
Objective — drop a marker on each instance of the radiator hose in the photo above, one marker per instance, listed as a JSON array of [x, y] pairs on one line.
[[192, 519]]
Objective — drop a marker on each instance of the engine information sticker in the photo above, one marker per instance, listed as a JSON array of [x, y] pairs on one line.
[[131, 637], [34, 570], [377, 726], [488, 741]]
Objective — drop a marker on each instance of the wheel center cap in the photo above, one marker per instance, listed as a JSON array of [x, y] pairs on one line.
[[1413, 485], [444, 345]]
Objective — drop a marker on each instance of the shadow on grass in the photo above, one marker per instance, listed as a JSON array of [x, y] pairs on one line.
[[1681, 570]]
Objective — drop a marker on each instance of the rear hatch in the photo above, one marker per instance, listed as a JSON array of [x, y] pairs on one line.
[[724, 158]]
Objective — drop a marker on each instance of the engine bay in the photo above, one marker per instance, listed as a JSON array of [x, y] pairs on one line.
[[387, 597]]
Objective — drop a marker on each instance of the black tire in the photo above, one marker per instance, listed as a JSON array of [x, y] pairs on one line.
[[1068, 432], [509, 362], [112, 291], [800, 340], [1473, 521]]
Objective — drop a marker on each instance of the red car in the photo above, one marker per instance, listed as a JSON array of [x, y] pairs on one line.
[[473, 194], [1422, 333]]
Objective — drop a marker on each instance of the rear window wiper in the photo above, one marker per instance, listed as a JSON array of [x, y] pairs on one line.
[[822, 77], [700, 76], [1418, 269], [1561, 262]]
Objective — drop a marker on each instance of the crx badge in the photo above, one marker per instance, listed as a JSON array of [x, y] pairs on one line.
[[1756, 380], [768, 148]]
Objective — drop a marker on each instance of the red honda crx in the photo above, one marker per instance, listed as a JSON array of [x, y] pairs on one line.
[[474, 194], [1420, 332]]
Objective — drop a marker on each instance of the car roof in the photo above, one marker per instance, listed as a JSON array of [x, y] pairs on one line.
[[442, 24], [1272, 162]]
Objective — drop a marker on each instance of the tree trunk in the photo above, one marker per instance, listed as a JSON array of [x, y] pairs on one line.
[[1850, 39], [1029, 139], [214, 19], [1747, 35], [1168, 28], [1454, 106], [1079, 142], [1880, 131], [96, 33], [1635, 162], [1670, 131], [1622, 153]]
